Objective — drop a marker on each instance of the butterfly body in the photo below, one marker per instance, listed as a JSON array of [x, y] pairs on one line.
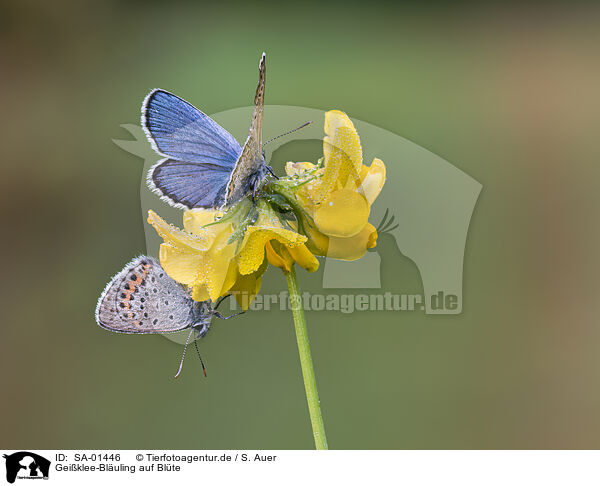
[[204, 166], [143, 299], [248, 181]]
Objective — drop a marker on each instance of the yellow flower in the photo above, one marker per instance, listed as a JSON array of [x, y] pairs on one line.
[[258, 241], [202, 257], [197, 256], [244, 287], [217, 254], [338, 196], [344, 213], [268, 228], [284, 257]]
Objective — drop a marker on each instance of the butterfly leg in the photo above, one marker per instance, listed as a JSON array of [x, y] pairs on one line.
[[221, 316], [254, 190], [201, 328]]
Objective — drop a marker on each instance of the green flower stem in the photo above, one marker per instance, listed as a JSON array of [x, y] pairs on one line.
[[308, 372]]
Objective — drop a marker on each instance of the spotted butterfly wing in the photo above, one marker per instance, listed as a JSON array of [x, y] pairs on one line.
[[143, 299]]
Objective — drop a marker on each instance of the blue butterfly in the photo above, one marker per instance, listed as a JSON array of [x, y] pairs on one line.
[[205, 167]]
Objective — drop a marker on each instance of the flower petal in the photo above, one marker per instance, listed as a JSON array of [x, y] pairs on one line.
[[267, 227], [317, 242], [216, 269], [284, 257], [303, 257], [252, 254], [200, 293], [247, 286], [195, 219], [344, 213], [352, 248], [278, 259], [342, 152], [175, 236], [372, 180], [181, 265]]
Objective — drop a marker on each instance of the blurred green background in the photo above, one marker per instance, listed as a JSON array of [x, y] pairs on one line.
[[508, 94]]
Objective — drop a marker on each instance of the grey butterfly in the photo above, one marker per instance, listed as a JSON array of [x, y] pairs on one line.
[[143, 299]]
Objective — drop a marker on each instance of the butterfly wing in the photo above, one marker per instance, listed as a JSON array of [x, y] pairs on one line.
[[251, 160], [143, 299], [259, 103], [198, 150], [188, 185], [181, 131]]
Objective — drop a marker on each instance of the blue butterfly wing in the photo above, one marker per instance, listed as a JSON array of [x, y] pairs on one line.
[[182, 132], [201, 154], [189, 184]]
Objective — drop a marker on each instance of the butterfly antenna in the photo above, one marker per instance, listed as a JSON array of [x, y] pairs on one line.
[[202, 362], [287, 133], [183, 355]]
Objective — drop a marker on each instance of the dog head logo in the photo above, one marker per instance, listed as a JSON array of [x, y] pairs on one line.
[[26, 464]]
